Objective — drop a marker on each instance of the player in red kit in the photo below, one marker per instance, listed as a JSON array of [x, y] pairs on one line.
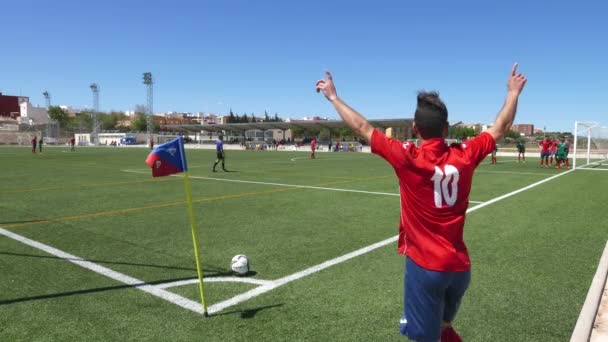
[[434, 185], [34, 145], [313, 147], [545, 153], [553, 149]]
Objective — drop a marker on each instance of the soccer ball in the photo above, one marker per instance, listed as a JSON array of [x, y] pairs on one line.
[[240, 264]]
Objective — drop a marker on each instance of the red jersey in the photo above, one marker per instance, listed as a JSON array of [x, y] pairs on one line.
[[545, 145], [313, 143], [554, 146], [434, 183]]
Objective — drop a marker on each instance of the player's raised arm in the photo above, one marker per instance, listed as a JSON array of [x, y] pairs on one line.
[[353, 119], [505, 117]]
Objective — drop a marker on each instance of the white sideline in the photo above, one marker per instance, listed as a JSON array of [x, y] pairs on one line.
[[197, 307], [279, 184], [584, 324], [123, 278], [287, 185]]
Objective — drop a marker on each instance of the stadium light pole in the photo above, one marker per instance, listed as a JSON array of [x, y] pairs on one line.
[[95, 90], [149, 82], [47, 98]]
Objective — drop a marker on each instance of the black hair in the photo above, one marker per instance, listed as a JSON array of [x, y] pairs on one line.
[[431, 116]]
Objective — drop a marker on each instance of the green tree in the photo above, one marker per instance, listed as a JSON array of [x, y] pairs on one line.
[[59, 115], [139, 123]]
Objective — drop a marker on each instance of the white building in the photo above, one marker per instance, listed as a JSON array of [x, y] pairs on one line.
[[32, 115]]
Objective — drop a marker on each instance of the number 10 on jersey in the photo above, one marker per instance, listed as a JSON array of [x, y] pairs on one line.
[[443, 180]]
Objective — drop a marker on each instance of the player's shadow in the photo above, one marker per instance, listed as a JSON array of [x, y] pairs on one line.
[[248, 313]]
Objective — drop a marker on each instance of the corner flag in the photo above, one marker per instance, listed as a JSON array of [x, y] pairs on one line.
[[165, 160], [168, 158]]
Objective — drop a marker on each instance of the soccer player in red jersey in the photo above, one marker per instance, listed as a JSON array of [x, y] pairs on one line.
[[553, 149], [34, 145], [545, 146], [313, 147], [434, 183]]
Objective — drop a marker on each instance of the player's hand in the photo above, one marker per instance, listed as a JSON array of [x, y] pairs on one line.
[[517, 81], [327, 87]]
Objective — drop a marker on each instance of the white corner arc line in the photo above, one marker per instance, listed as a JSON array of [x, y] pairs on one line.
[[214, 280], [123, 278], [282, 281]]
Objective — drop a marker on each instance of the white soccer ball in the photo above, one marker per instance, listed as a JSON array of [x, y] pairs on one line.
[[240, 264]]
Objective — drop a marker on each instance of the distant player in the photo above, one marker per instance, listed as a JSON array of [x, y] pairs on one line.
[[553, 149], [313, 147], [567, 152], [562, 153], [219, 149], [73, 144], [494, 154], [34, 145], [40, 144], [545, 146], [151, 143], [434, 185], [521, 151]]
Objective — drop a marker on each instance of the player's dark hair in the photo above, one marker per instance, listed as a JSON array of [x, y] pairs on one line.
[[431, 116]]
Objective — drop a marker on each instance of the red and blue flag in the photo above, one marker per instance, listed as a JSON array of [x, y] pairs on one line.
[[168, 158]]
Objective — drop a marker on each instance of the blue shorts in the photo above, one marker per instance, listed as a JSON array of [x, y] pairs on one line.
[[545, 154], [430, 298]]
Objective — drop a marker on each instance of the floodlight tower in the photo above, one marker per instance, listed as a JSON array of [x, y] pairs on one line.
[[47, 97], [95, 90], [149, 112]]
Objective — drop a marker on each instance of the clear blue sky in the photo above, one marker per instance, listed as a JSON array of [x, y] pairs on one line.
[[253, 56]]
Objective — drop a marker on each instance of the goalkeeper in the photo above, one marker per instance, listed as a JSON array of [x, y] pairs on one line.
[[434, 185]]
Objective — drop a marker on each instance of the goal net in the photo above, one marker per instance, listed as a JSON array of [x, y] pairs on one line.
[[590, 146]]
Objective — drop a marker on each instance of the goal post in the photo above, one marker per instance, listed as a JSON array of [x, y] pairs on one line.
[[590, 145]]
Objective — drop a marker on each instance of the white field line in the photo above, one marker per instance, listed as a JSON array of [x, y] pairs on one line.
[[288, 185], [586, 319], [214, 280], [512, 172], [500, 162], [584, 168], [282, 281], [295, 276], [196, 307], [123, 278], [281, 184]]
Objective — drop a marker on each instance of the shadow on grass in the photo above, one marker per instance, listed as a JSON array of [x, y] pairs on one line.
[[24, 221], [248, 313], [210, 271], [86, 291], [109, 262]]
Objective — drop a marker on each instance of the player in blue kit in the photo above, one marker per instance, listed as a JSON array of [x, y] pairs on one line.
[[219, 148]]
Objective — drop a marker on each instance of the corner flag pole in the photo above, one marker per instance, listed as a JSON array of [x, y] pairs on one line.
[[193, 226]]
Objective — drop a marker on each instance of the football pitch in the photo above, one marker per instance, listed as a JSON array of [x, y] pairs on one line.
[[94, 249]]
